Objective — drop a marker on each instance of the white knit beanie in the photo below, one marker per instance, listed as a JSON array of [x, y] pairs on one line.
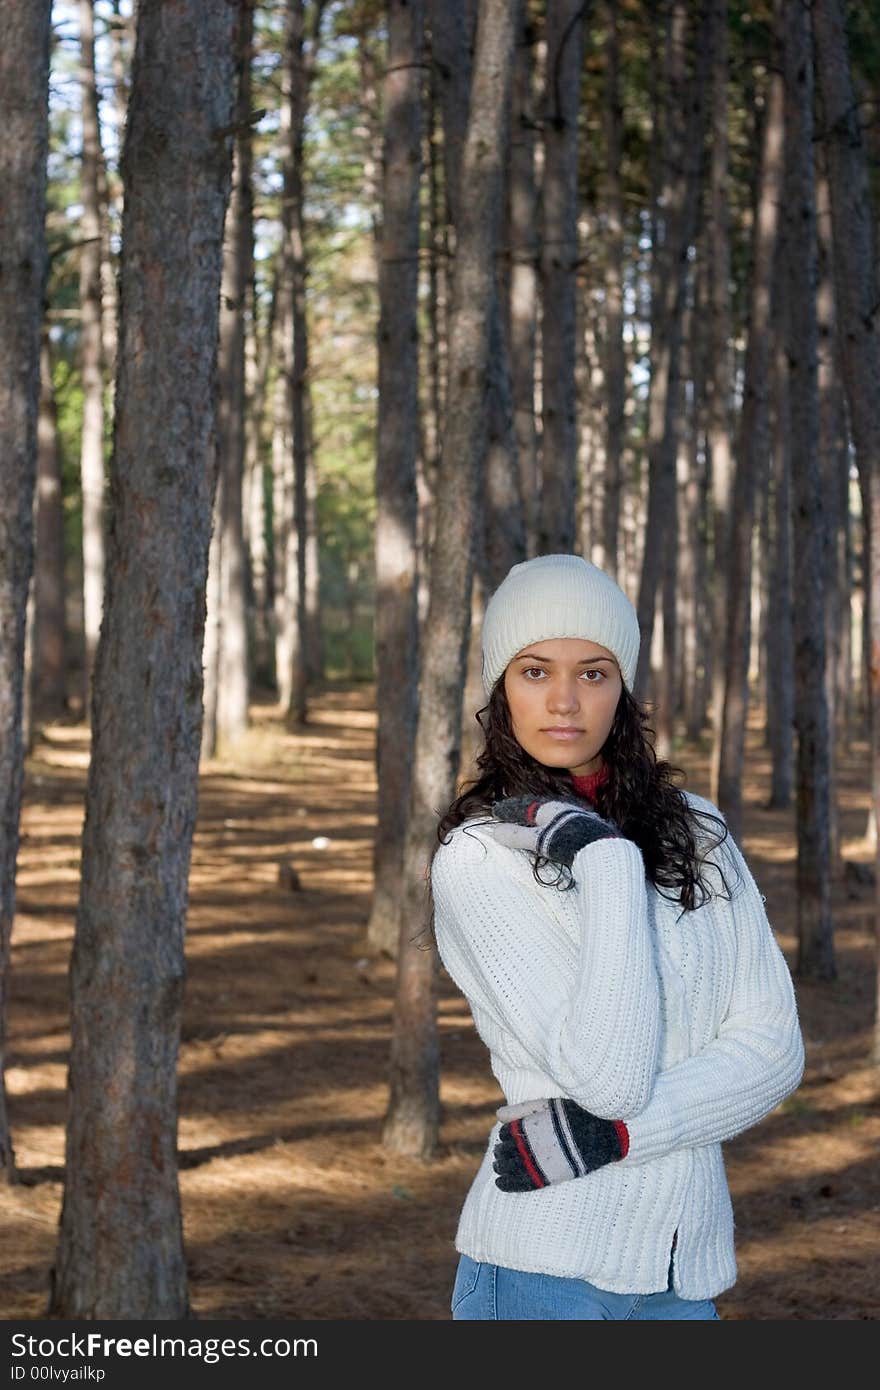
[[558, 596]]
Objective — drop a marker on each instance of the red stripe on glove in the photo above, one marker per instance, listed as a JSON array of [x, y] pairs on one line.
[[532, 1171]]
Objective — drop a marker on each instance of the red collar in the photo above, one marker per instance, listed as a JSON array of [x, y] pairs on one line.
[[588, 784]]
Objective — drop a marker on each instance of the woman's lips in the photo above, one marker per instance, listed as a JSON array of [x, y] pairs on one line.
[[563, 735]]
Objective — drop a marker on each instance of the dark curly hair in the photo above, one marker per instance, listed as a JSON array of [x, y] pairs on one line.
[[638, 795]]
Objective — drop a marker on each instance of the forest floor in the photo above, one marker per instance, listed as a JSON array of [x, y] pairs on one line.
[[291, 1207]]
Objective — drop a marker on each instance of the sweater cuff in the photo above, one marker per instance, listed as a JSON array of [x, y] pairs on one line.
[[652, 1133]]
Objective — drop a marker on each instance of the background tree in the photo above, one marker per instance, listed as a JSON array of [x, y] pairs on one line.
[[815, 944], [227, 657], [48, 630], [397, 634], [615, 355], [24, 107], [120, 1250], [297, 631], [411, 1122], [682, 144], [559, 256], [91, 342], [751, 455]]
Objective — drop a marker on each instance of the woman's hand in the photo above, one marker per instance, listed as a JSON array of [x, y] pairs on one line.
[[550, 1141], [554, 829]]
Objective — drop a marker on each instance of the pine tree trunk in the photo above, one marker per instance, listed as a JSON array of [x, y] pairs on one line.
[[109, 305], [504, 534], [122, 29], [523, 302], [719, 378], [300, 638], [753, 447], [591, 395], [233, 673], [834, 458], [432, 411], [756, 670], [667, 683], [289, 667], [297, 350], [49, 651], [213, 626], [846, 694], [257, 356], [24, 98], [559, 257], [758, 658], [780, 649], [303, 432], [411, 1123], [682, 161], [500, 539], [615, 359], [120, 1252], [91, 347], [693, 566], [396, 622], [815, 940]]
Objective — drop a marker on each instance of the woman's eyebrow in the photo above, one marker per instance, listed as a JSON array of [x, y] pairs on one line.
[[584, 661]]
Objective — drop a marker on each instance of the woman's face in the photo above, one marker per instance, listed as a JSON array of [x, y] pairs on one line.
[[562, 695]]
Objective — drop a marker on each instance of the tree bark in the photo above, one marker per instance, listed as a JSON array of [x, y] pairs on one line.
[[615, 358], [696, 628], [847, 692], [288, 663], [120, 1252], [257, 356], [226, 714], [435, 344], [500, 538], [591, 388], [412, 1119], [396, 621], [91, 346], [523, 298], [49, 650], [780, 651], [24, 119], [753, 448], [299, 660], [719, 377], [834, 459], [559, 258], [815, 941], [109, 306]]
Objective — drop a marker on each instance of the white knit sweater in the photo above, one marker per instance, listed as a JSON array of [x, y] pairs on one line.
[[685, 1026]]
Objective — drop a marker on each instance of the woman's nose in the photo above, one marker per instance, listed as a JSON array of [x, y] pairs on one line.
[[563, 695]]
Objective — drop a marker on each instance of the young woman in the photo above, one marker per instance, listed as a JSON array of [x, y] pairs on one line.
[[619, 965]]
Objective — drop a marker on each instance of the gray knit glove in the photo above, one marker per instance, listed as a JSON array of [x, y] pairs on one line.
[[544, 1142], [554, 829]]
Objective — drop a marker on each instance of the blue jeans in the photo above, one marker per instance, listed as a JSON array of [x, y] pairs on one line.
[[493, 1293]]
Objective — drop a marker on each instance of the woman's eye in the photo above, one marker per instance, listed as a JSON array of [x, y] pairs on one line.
[[531, 671]]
